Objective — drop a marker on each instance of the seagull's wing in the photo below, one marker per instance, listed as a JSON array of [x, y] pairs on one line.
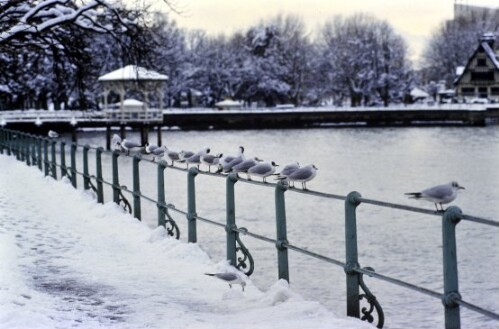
[[302, 173], [438, 192], [226, 276]]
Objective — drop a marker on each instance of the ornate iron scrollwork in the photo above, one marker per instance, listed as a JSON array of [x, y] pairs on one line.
[[373, 303], [170, 224], [123, 202], [246, 256], [92, 186]]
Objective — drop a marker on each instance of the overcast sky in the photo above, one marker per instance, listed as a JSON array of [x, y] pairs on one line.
[[413, 19]]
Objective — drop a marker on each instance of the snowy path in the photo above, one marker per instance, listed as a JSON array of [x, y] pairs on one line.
[[69, 262]]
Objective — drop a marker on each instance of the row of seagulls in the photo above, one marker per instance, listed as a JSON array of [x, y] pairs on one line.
[[252, 166], [439, 195]]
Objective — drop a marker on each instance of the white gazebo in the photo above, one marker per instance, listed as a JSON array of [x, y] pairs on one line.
[[132, 77]]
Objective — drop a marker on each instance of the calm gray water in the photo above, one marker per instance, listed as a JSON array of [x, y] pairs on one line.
[[379, 163]]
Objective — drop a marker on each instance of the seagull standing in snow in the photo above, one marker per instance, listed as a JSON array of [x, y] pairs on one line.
[[263, 170], [303, 175], [230, 278], [440, 194]]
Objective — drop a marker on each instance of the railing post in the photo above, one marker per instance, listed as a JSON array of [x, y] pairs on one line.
[[116, 178], [53, 167], [86, 174], [46, 156], [17, 145], [39, 160], [98, 169], [27, 148], [191, 205], [73, 164], [281, 231], [352, 259], [34, 144], [136, 187], [64, 171], [231, 219], [20, 146], [161, 193], [8, 139], [451, 218]]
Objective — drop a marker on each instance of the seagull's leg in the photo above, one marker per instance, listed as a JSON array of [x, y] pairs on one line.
[[304, 185], [265, 179], [230, 286], [441, 206]]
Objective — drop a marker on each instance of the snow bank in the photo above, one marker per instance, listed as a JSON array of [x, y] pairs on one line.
[[70, 262]]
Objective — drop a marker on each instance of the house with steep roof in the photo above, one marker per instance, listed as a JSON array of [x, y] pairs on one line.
[[479, 80]]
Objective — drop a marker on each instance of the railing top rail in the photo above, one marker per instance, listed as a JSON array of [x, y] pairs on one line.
[[378, 203]]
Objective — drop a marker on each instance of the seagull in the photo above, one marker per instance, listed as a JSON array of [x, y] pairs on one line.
[[196, 158], [150, 148], [246, 165], [53, 134], [171, 155], [116, 142], [439, 194], [230, 278], [158, 152], [211, 160], [183, 155], [130, 146], [303, 175], [263, 170], [288, 170], [227, 162]]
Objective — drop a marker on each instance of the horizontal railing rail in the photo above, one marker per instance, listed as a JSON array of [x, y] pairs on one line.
[[41, 152]]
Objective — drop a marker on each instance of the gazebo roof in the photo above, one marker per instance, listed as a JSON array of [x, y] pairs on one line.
[[133, 73], [228, 103]]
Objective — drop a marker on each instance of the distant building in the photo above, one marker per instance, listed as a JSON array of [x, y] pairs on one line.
[[479, 80], [470, 12]]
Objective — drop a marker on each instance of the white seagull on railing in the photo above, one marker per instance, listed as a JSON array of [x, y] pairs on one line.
[[263, 170], [302, 175], [440, 194]]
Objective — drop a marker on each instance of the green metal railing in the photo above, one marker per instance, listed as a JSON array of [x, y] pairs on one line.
[[34, 150]]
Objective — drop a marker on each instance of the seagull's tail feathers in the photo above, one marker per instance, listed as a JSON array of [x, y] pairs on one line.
[[414, 195], [281, 177], [210, 274]]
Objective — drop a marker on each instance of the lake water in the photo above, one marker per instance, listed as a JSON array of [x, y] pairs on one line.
[[379, 163]]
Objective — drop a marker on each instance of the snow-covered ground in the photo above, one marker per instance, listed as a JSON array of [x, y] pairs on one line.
[[67, 261]]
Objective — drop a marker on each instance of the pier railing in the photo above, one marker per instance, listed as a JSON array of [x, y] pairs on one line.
[[42, 152]]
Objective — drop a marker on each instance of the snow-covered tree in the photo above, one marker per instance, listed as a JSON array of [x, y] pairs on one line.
[[367, 59]]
